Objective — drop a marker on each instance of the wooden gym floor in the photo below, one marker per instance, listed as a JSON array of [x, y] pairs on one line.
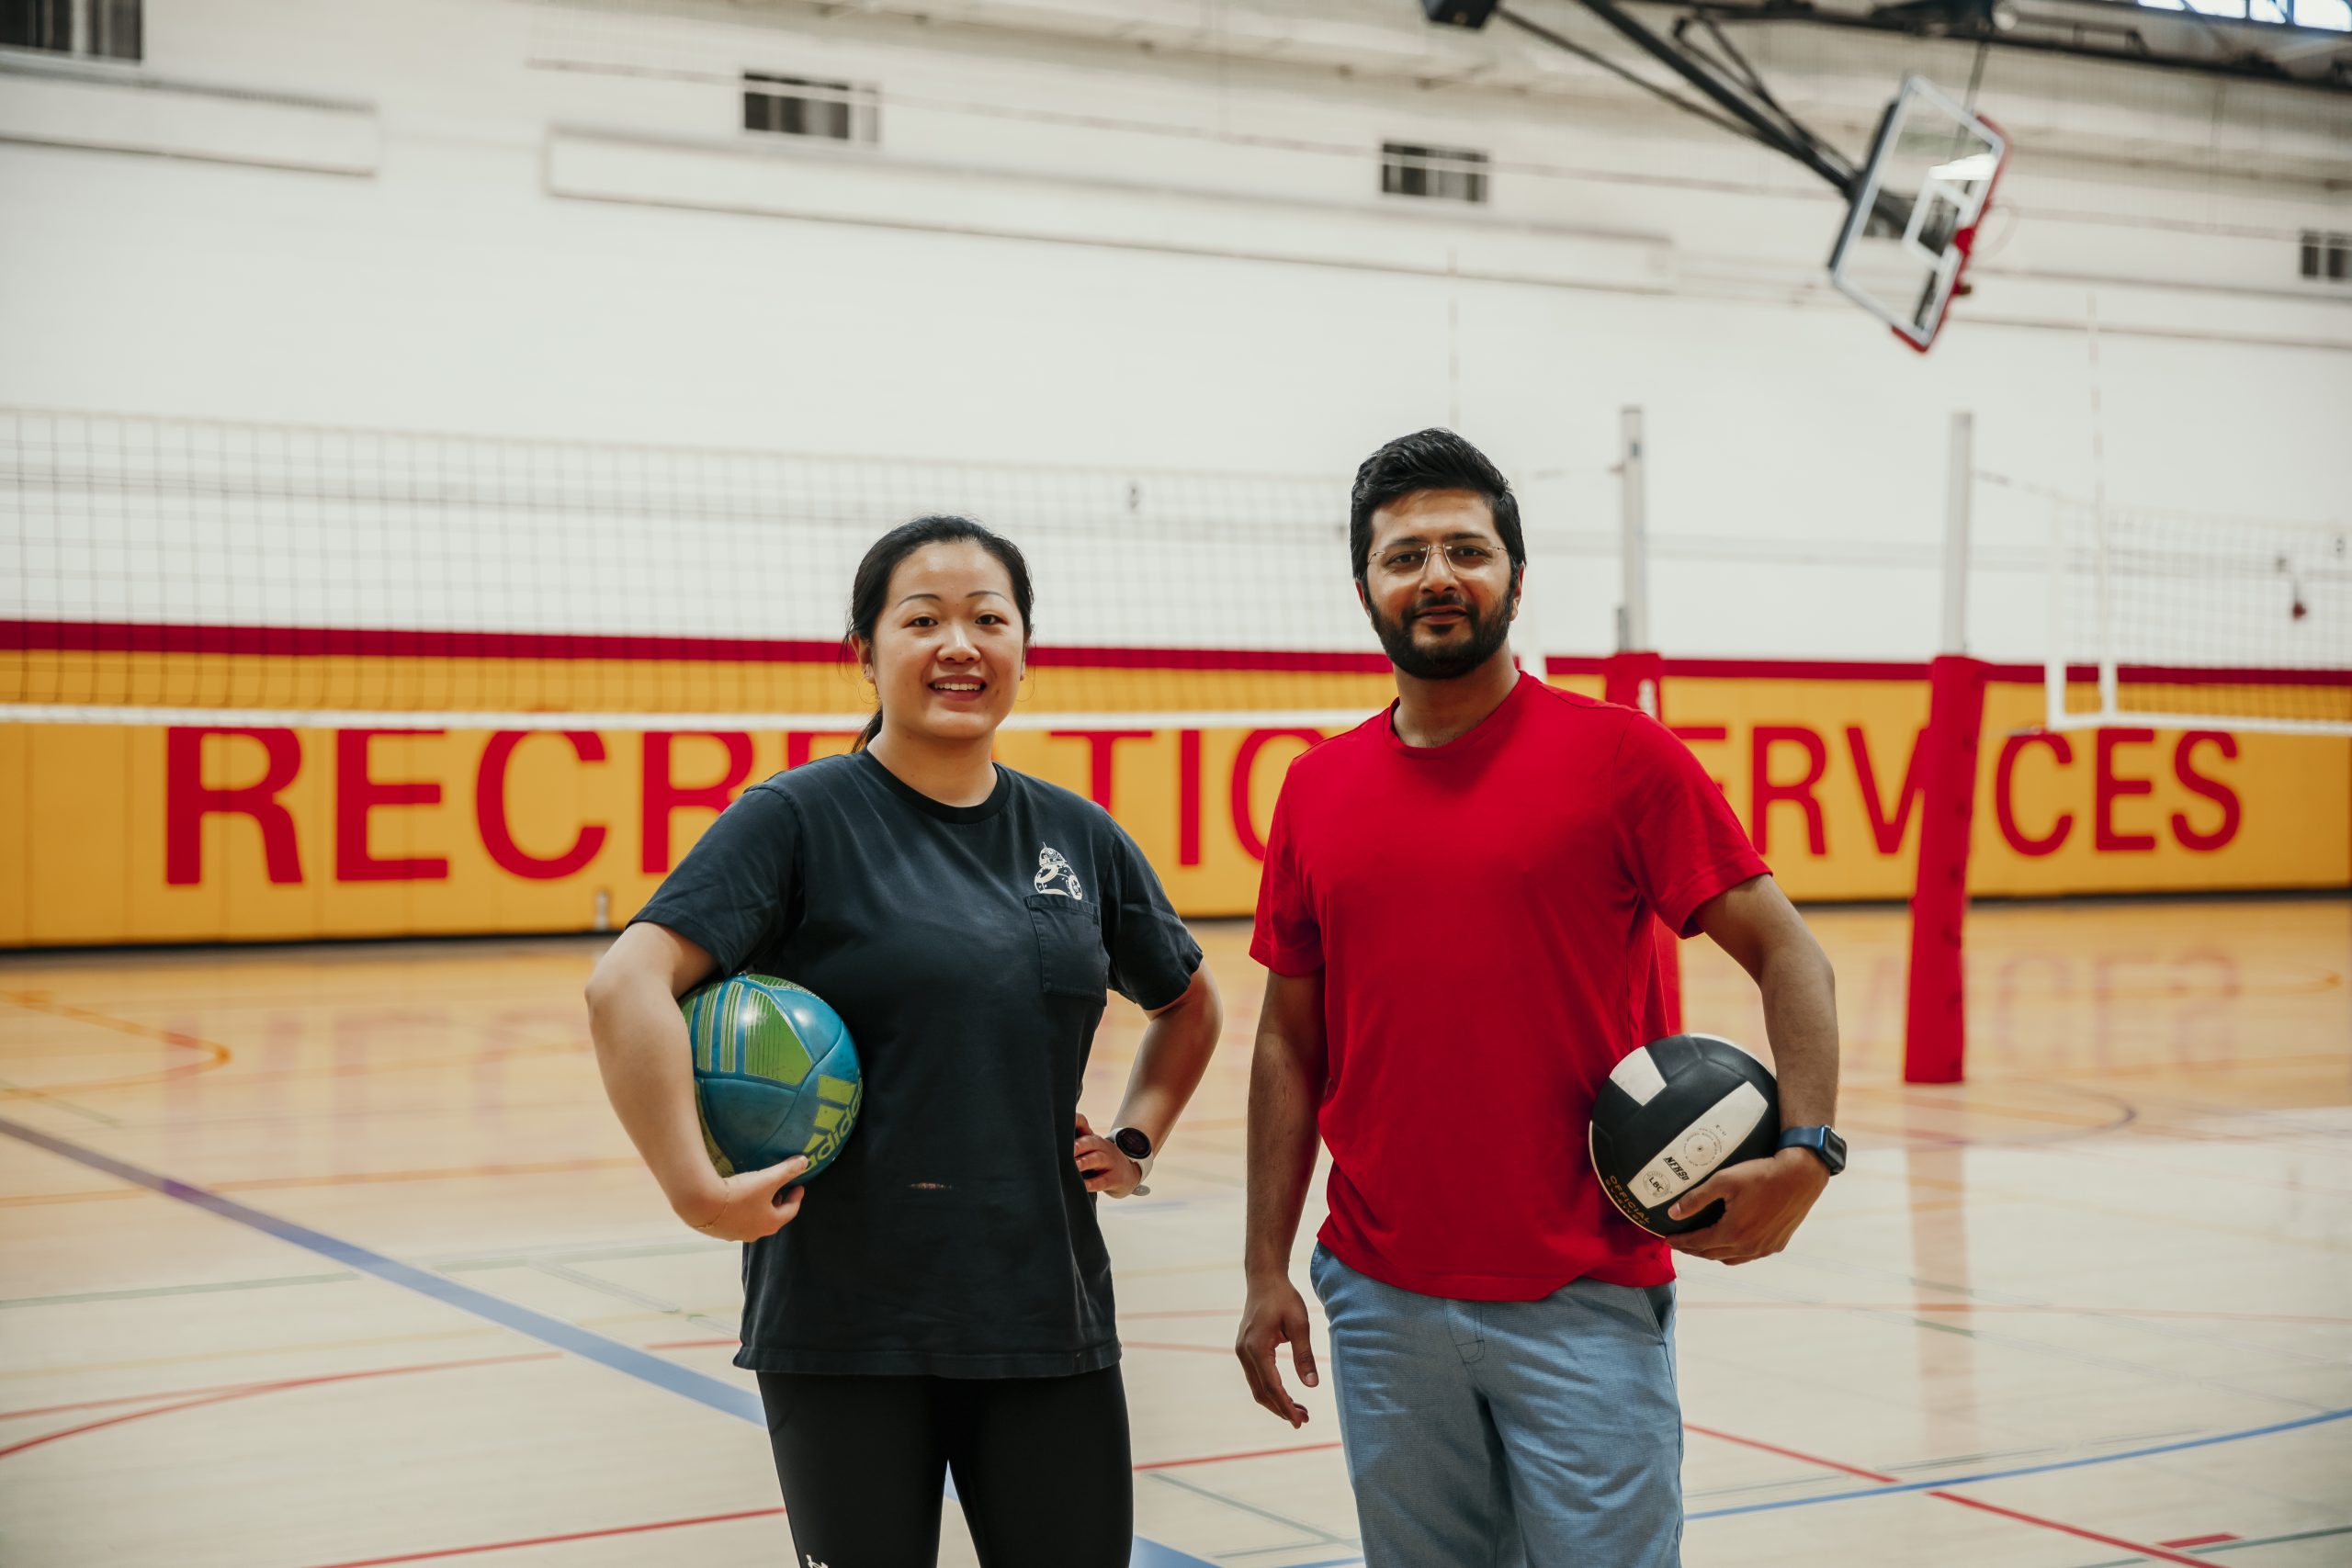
[[334, 1256]]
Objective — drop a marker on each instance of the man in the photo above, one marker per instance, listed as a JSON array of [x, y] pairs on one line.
[[1456, 918]]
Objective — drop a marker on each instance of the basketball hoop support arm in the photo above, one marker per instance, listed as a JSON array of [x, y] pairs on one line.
[[1740, 107]]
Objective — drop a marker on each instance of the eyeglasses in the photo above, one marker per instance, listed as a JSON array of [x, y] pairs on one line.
[[1461, 556]]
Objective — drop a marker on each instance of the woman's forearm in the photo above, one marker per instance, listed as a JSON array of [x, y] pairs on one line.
[[642, 1052], [1177, 1045]]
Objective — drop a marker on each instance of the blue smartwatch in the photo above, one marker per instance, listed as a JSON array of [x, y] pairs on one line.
[[1822, 1141]]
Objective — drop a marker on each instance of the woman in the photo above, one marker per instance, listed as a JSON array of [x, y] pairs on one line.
[[941, 1302]]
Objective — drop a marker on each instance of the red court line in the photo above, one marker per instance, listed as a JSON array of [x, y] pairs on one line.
[[132, 1399], [1791, 1453], [723, 1518], [553, 1540], [2158, 1552], [2202, 1539], [35, 1001], [248, 1391], [1251, 1454]]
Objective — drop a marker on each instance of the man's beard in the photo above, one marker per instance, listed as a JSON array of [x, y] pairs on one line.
[[1487, 634]]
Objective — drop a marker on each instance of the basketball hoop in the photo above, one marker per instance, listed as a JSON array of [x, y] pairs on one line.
[[1916, 207]]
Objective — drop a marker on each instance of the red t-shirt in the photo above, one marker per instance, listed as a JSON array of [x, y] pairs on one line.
[[1483, 914]]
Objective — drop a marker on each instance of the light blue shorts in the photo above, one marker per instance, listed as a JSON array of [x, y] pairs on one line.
[[1508, 1434]]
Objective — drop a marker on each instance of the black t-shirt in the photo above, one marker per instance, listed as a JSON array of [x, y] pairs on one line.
[[968, 948]]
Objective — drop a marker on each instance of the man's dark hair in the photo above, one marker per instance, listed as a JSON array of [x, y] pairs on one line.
[[1429, 459]]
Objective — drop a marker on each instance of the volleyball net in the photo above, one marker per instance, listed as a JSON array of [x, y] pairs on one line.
[[2175, 619], [194, 572]]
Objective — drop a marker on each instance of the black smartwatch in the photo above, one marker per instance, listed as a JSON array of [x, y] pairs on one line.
[[1136, 1144], [1823, 1141]]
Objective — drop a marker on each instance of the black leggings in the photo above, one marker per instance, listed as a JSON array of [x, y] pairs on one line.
[[1040, 1465]]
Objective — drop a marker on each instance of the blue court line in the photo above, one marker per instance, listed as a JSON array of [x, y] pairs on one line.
[[725, 1397], [1898, 1487]]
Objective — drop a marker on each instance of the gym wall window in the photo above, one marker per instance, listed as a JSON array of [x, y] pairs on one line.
[[801, 105], [1443, 173], [2327, 258], [105, 29]]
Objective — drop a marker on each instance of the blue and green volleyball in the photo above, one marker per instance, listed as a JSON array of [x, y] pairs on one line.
[[775, 1074]]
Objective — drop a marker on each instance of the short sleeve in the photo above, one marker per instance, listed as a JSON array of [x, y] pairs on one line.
[[1681, 840], [1288, 939], [1153, 956], [735, 893]]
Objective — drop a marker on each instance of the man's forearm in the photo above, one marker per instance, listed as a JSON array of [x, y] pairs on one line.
[[1801, 1020], [1283, 1093]]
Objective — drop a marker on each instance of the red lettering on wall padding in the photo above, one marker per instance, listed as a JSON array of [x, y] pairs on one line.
[[1245, 762], [799, 745], [188, 802], [2184, 768], [663, 794], [1100, 744], [1188, 797], [2106, 789], [1765, 792], [2005, 811], [357, 795], [490, 810], [1888, 828]]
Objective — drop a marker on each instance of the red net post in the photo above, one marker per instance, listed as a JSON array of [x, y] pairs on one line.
[[1935, 1032], [1635, 680]]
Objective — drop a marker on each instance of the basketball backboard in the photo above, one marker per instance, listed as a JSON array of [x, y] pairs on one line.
[[1915, 211]]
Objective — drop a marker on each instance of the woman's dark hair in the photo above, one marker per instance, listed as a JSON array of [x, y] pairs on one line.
[[1429, 459], [871, 587]]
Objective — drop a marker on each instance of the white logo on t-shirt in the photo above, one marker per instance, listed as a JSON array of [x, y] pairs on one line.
[[1052, 869]]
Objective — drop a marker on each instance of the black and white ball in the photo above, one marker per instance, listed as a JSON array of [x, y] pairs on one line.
[[1672, 1115]]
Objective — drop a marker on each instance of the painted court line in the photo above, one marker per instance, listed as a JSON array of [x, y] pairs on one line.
[[171, 1402], [249, 1391], [551, 1539], [743, 1405], [1930, 1485], [1232, 1458], [2037, 1520], [725, 1397], [180, 1398], [2236, 1543]]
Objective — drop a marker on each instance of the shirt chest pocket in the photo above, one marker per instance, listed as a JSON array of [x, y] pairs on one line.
[[1070, 959]]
